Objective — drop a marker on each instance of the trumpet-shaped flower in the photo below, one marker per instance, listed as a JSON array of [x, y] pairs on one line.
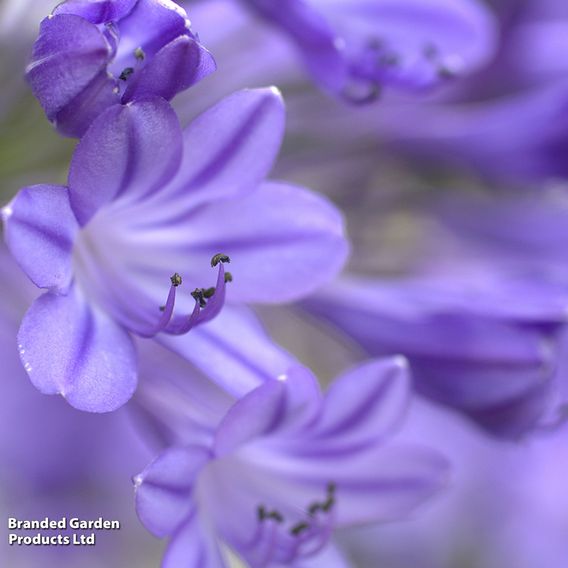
[[93, 54], [353, 47], [146, 213], [284, 466]]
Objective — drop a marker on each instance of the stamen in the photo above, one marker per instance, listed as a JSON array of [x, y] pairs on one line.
[[220, 257], [139, 54], [328, 504], [314, 508], [263, 515], [198, 296], [209, 292], [176, 280], [126, 73], [299, 528]]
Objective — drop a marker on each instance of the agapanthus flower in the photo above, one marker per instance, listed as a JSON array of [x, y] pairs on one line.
[[354, 47], [275, 472], [487, 349], [92, 54], [128, 246]]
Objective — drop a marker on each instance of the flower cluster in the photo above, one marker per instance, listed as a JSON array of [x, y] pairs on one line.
[[150, 287]]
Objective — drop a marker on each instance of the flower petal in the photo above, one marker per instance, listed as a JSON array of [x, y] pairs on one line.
[[40, 229], [367, 403], [164, 488], [128, 152], [177, 66], [386, 484], [329, 557], [253, 416], [193, 546], [233, 350], [98, 12], [230, 148], [314, 36], [285, 242], [78, 114], [70, 349], [68, 54]]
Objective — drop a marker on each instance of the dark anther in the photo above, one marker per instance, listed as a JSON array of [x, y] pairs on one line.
[[299, 528], [162, 308], [209, 292], [126, 73], [263, 514], [275, 515], [199, 297], [329, 503], [139, 54], [219, 258], [314, 508], [228, 277], [176, 280], [331, 487]]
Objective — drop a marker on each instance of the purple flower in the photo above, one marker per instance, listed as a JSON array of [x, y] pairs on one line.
[[91, 55], [144, 204], [353, 47], [284, 466], [482, 345]]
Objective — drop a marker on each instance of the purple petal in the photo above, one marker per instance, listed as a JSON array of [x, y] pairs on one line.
[[128, 152], [284, 241], [367, 403], [330, 557], [97, 11], [176, 67], [230, 148], [255, 415], [313, 35], [70, 349], [386, 484], [40, 230], [74, 119], [193, 546], [164, 489], [233, 350], [150, 26], [68, 55]]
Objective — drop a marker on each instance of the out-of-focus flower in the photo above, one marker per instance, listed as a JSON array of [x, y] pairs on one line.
[[353, 48], [56, 461], [478, 312], [486, 348], [476, 128], [145, 201], [276, 472], [91, 55]]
